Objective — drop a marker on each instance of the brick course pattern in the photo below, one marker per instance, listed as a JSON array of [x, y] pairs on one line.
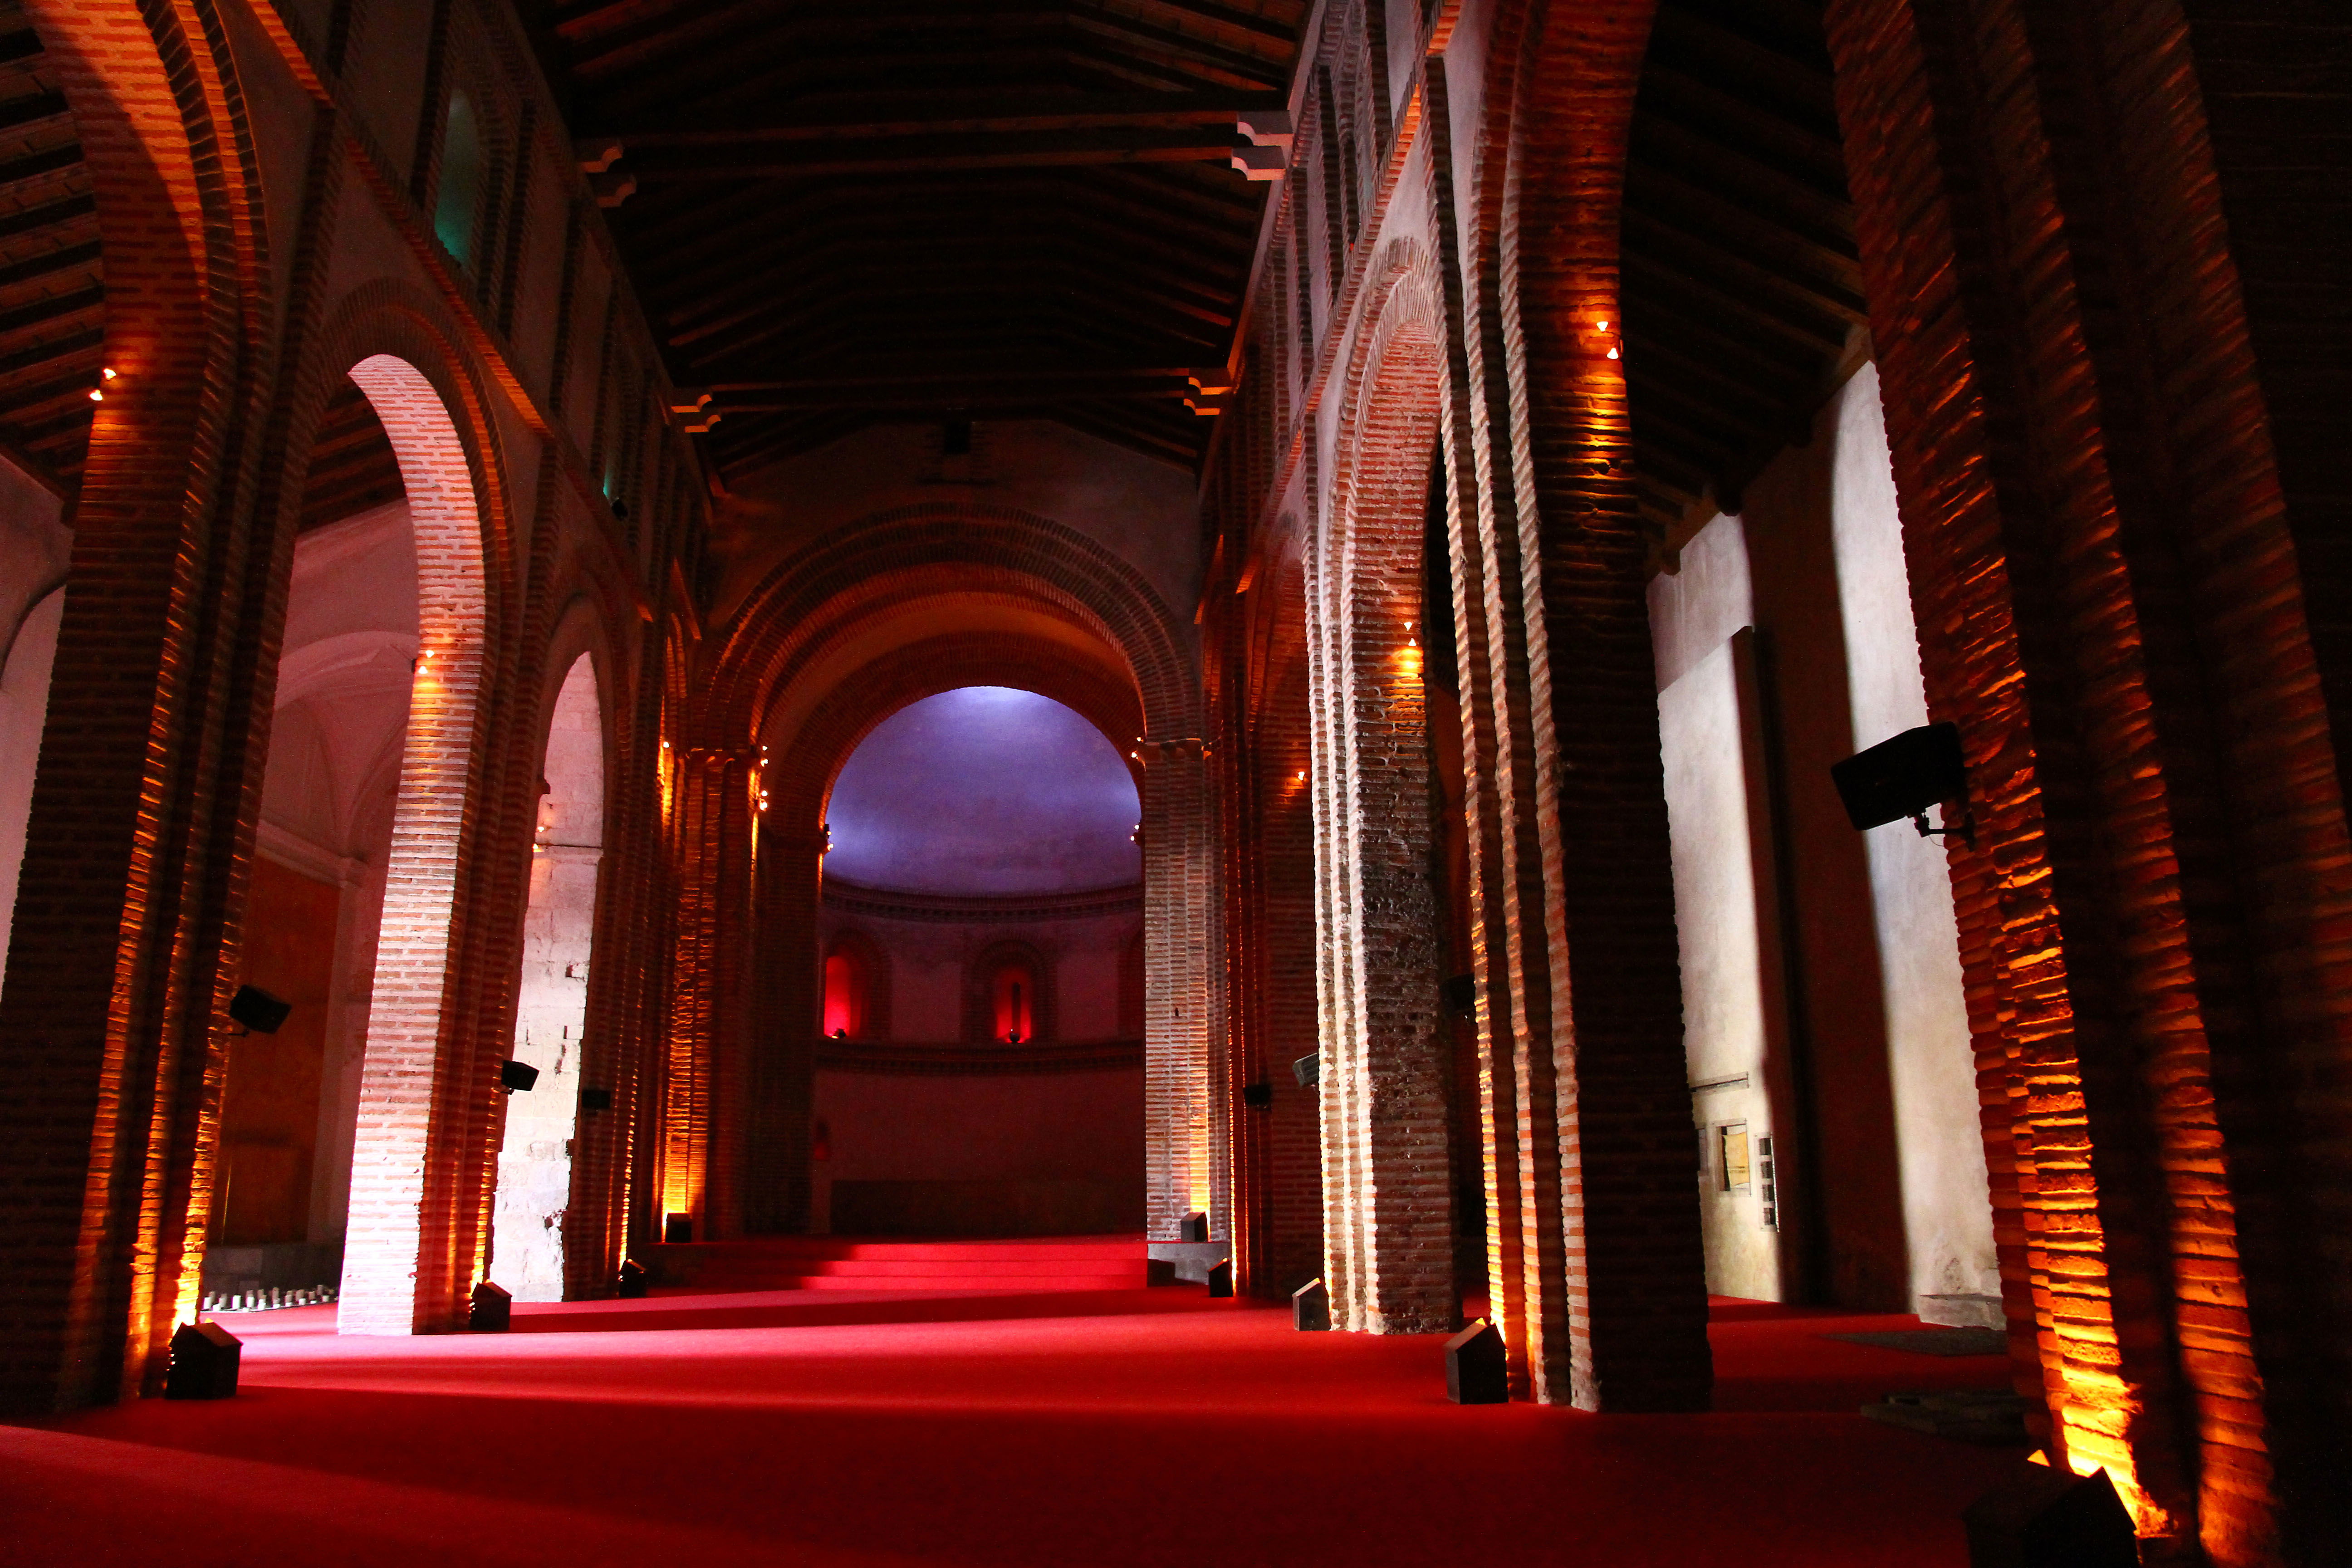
[[225, 351]]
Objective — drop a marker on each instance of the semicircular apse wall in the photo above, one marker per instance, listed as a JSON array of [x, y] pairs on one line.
[[985, 790]]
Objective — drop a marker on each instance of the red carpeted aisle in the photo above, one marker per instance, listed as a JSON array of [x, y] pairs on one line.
[[1139, 1427]]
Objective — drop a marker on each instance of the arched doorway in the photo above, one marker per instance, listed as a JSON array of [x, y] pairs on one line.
[[984, 865]]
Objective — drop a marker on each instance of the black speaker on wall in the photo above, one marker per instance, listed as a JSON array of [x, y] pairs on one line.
[[1308, 1069], [514, 1075], [1257, 1096], [258, 1010], [1902, 777]]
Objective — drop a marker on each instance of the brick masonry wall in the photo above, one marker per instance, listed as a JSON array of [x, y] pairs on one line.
[[2105, 583], [227, 348]]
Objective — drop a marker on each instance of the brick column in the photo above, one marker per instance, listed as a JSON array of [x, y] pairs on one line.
[[704, 1099], [1390, 1232], [2112, 608], [631, 943], [1526, 1284], [123, 948], [782, 1029], [1179, 883], [1594, 967]]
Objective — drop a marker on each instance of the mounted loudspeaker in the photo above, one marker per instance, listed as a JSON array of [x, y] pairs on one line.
[[1902, 777], [258, 1010]]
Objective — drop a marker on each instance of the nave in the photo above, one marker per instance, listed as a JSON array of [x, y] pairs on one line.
[[1074, 1429]]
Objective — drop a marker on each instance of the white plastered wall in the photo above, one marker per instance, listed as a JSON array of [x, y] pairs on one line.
[[1947, 1217], [551, 1004], [1695, 614]]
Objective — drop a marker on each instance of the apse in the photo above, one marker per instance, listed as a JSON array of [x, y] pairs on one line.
[[985, 790]]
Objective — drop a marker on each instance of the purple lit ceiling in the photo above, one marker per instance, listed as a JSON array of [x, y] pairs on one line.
[[984, 790]]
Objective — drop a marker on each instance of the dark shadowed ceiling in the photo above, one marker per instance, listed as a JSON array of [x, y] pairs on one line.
[[914, 209], [1742, 289]]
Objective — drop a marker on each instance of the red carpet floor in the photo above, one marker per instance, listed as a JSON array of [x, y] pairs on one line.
[[1140, 1426]]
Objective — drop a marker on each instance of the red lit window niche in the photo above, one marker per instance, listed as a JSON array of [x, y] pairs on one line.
[[852, 986], [1014, 994], [1009, 993]]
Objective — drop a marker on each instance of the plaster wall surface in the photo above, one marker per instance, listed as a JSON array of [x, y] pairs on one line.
[[1947, 1217], [551, 1003], [1815, 564], [1725, 1036]]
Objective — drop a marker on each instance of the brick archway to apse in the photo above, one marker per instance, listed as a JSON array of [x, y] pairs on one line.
[[922, 600]]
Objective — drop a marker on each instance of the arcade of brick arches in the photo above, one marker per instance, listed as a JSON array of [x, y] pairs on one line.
[[1024, 652]]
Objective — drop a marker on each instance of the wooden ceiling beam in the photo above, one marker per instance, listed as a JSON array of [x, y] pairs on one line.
[[1774, 244], [692, 242], [1078, 111], [1707, 109], [870, 256], [893, 154], [1743, 65], [1748, 291], [1267, 27]]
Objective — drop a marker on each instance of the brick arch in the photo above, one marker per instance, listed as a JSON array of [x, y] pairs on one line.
[[1389, 1262], [808, 761], [856, 573], [137, 830], [818, 600], [411, 1253], [816, 751]]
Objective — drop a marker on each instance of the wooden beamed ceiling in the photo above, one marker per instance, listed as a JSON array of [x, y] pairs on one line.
[[52, 285], [1742, 286], [923, 209]]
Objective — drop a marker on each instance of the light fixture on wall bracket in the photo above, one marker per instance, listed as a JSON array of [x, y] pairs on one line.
[[1904, 776]]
